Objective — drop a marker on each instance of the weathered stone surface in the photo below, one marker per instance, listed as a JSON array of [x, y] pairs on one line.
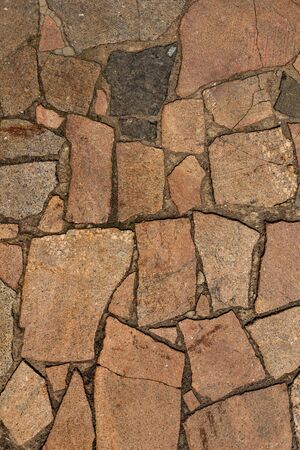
[[25, 408], [48, 118], [191, 400], [185, 183], [135, 412], [57, 376], [8, 230], [253, 168], [167, 270], [73, 427], [288, 101], [297, 64], [168, 333], [250, 421], [91, 164], [85, 265], [25, 187], [295, 131], [225, 247], [52, 219], [141, 179], [7, 297], [139, 80], [137, 129], [51, 37], [278, 339], [122, 301], [183, 126], [202, 308], [101, 103], [295, 397], [222, 344], [156, 16], [69, 83], [11, 264]]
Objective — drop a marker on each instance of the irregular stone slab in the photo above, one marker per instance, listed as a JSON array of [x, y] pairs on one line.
[[73, 427], [183, 126], [25, 408], [168, 333], [57, 376], [141, 180], [101, 103], [122, 301], [69, 83], [253, 168], [52, 219], [225, 245], [8, 230], [139, 80], [288, 102], [25, 188], [295, 398], [222, 344], [51, 37], [278, 339], [295, 131], [132, 354], [138, 129], [85, 265], [48, 118], [11, 264], [250, 421], [156, 16], [122, 406], [7, 297], [167, 270], [185, 183], [191, 400], [91, 164]]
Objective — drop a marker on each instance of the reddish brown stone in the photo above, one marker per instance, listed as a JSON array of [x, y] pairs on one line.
[[11, 264], [8, 230], [191, 400], [250, 421], [295, 131], [203, 308], [101, 103], [91, 164], [57, 376], [51, 37], [52, 219], [122, 301], [295, 397], [297, 64], [167, 270], [48, 118], [168, 333]]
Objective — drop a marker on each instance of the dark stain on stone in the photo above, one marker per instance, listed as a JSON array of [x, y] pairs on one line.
[[204, 439], [138, 129], [205, 339], [288, 101], [27, 131]]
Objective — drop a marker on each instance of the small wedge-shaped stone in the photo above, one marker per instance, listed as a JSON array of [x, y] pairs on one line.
[[7, 297], [122, 300], [25, 408], [52, 219], [9, 230], [57, 376], [48, 117], [11, 264], [51, 37]]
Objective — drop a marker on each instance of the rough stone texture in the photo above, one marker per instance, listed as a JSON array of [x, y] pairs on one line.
[[85, 265], [225, 247], [288, 101], [141, 179], [167, 270], [51, 37], [168, 333], [185, 183], [101, 103], [91, 164], [183, 127], [57, 376], [253, 168], [297, 64], [8, 230], [222, 344], [25, 408], [250, 421], [135, 411], [191, 400], [295, 398], [25, 187], [73, 427], [295, 132], [52, 219], [7, 297], [202, 308], [139, 80], [136, 129], [122, 300], [11, 264], [69, 83], [48, 118]]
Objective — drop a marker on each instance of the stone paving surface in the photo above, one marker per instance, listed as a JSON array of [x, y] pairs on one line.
[[149, 225]]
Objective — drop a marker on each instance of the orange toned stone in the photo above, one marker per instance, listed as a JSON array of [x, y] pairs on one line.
[[222, 344], [48, 118], [57, 376], [91, 164], [73, 427], [141, 179], [203, 308], [295, 131], [11, 264], [122, 301], [145, 414], [52, 219], [51, 37], [185, 183], [167, 270], [183, 126], [250, 421], [191, 400], [132, 354], [168, 333], [25, 408], [226, 248], [297, 64], [8, 230], [101, 103]]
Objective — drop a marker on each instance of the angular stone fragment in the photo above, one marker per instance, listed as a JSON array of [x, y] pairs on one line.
[[52, 219], [185, 183], [191, 400], [57, 376], [91, 164], [288, 102], [183, 126], [85, 265], [69, 83], [139, 80], [8, 230], [7, 297], [141, 179], [222, 344], [225, 247], [250, 421], [295, 398], [279, 341], [132, 354], [145, 414], [11, 264], [25, 187], [167, 270], [156, 16], [51, 37], [101, 103], [73, 427], [122, 301], [25, 408], [254, 169], [137, 129], [295, 131], [203, 308], [48, 118], [168, 333]]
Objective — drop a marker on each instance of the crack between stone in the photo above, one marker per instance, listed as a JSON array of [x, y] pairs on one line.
[[257, 32]]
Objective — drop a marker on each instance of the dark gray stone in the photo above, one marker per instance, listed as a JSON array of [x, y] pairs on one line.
[[288, 101], [138, 129]]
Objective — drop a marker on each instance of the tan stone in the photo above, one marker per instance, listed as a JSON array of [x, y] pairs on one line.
[[8, 230], [143, 414], [52, 219], [7, 298], [101, 103], [48, 118], [191, 400], [295, 131], [122, 300], [167, 270], [297, 64], [91, 164], [11, 264], [168, 333], [253, 168], [226, 248], [279, 341], [185, 183], [57, 376], [25, 408], [140, 179], [295, 398], [132, 354], [156, 16], [51, 37], [203, 308], [183, 126], [85, 265], [250, 421], [73, 427]]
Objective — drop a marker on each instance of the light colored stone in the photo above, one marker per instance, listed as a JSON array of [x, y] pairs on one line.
[[203, 308], [57, 376], [48, 118], [191, 400], [7, 297], [52, 219], [51, 37], [101, 103], [11, 264], [122, 300], [8, 230], [295, 132], [295, 398], [168, 333]]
